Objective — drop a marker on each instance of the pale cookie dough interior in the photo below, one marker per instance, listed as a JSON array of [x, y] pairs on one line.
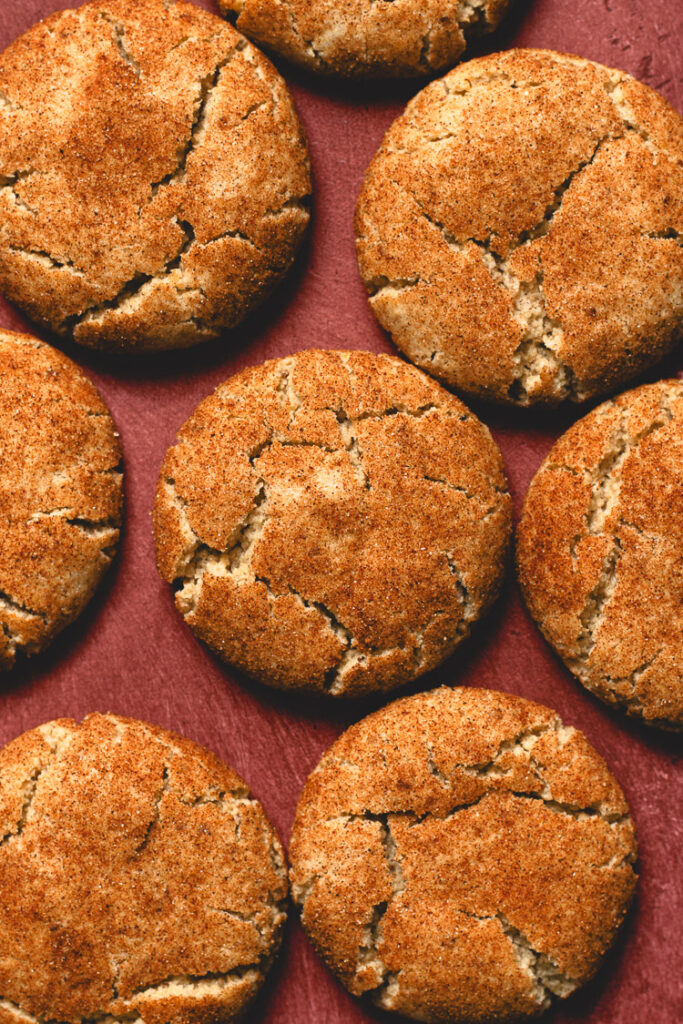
[[154, 177], [366, 37], [139, 880], [461, 856], [332, 521], [61, 493], [600, 551], [520, 230]]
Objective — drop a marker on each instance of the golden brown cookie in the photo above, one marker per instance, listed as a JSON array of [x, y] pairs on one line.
[[61, 493], [520, 229], [600, 551], [332, 521], [366, 38], [461, 856], [154, 177], [138, 878]]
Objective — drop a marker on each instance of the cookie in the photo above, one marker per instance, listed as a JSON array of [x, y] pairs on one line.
[[139, 879], [154, 177], [365, 38], [600, 551], [520, 229], [61, 493], [462, 856], [333, 522]]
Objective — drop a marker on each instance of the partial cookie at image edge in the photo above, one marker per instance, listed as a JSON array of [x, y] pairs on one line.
[[207, 870], [155, 246], [461, 855], [366, 40], [599, 552], [61, 494]]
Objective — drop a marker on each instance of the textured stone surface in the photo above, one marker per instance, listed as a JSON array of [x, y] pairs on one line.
[[137, 659]]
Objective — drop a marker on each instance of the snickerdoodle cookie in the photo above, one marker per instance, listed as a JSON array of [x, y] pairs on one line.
[[461, 856], [139, 879], [153, 175], [600, 551], [520, 229], [61, 493], [332, 521], [365, 38]]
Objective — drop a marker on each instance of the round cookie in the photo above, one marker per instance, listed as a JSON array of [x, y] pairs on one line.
[[154, 177], [139, 878], [461, 856], [61, 493], [332, 521], [520, 229], [364, 38], [600, 551]]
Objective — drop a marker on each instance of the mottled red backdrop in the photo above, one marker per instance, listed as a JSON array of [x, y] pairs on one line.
[[131, 653]]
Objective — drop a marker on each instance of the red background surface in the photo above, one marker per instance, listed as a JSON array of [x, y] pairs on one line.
[[132, 654]]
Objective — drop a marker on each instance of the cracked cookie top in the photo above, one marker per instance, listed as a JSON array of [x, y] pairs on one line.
[[154, 177], [520, 230], [600, 551], [332, 521], [374, 38], [139, 879], [61, 493], [461, 856]]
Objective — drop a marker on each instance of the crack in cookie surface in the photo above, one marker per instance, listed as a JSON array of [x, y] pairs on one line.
[[603, 508]]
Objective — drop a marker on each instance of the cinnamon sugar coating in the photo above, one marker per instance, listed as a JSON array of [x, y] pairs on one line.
[[332, 521], [61, 493], [154, 177], [461, 856], [600, 551], [520, 230], [403, 38], [140, 880]]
